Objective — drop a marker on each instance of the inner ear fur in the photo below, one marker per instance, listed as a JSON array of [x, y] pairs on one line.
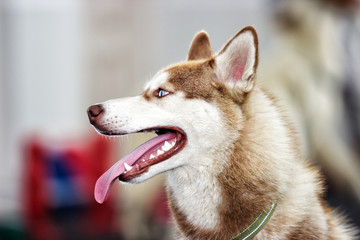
[[200, 47], [236, 63]]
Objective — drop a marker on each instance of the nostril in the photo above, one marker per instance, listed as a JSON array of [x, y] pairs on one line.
[[95, 110]]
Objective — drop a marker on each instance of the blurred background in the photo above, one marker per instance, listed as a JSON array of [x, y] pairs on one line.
[[59, 57]]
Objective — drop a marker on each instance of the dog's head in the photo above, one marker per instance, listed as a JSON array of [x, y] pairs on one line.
[[192, 106]]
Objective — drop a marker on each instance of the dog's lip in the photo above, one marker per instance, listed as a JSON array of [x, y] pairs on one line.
[[156, 130], [167, 133]]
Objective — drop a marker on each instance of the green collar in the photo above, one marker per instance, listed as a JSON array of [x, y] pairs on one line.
[[256, 225]]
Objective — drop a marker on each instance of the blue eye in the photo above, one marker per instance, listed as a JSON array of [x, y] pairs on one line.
[[162, 93]]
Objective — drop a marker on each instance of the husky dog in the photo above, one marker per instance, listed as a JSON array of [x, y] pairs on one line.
[[233, 164]]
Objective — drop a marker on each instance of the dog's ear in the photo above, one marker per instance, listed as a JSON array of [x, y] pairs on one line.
[[200, 47], [237, 61]]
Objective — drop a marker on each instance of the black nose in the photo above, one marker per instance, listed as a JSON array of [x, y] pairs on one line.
[[94, 112]]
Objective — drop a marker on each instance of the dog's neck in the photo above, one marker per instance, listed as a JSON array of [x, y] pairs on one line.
[[195, 195], [202, 211], [210, 205]]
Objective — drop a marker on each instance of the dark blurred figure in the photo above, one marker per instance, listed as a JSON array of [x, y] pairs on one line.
[[316, 71]]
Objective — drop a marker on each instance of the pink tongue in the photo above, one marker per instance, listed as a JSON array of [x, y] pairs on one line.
[[103, 184]]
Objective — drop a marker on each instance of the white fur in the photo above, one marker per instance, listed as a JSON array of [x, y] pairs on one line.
[[157, 81], [127, 115], [202, 211]]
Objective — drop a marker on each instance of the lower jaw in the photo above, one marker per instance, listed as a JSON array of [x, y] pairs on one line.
[[128, 177]]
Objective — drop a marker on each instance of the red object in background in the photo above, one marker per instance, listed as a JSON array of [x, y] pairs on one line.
[[58, 195], [158, 207]]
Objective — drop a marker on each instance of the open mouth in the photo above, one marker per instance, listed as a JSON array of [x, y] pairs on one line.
[[170, 141]]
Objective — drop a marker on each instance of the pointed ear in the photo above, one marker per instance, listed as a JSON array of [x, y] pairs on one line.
[[236, 63], [200, 47]]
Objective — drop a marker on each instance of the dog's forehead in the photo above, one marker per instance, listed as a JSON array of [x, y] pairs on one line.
[[193, 78]]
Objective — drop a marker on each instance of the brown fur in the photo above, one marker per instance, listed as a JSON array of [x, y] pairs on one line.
[[245, 189], [247, 183], [147, 95], [243, 200], [200, 47], [192, 78]]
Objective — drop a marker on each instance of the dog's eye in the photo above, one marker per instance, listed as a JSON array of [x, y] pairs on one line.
[[161, 93]]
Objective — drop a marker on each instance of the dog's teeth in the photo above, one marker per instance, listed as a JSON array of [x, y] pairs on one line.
[[143, 160], [152, 156], [173, 143], [166, 146], [159, 152], [127, 167]]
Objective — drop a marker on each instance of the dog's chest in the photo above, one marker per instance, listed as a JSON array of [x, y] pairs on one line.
[[197, 195]]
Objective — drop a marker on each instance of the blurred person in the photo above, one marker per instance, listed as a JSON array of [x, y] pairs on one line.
[[314, 67]]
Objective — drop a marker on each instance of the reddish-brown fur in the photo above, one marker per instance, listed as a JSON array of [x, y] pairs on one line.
[[200, 47], [245, 189]]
